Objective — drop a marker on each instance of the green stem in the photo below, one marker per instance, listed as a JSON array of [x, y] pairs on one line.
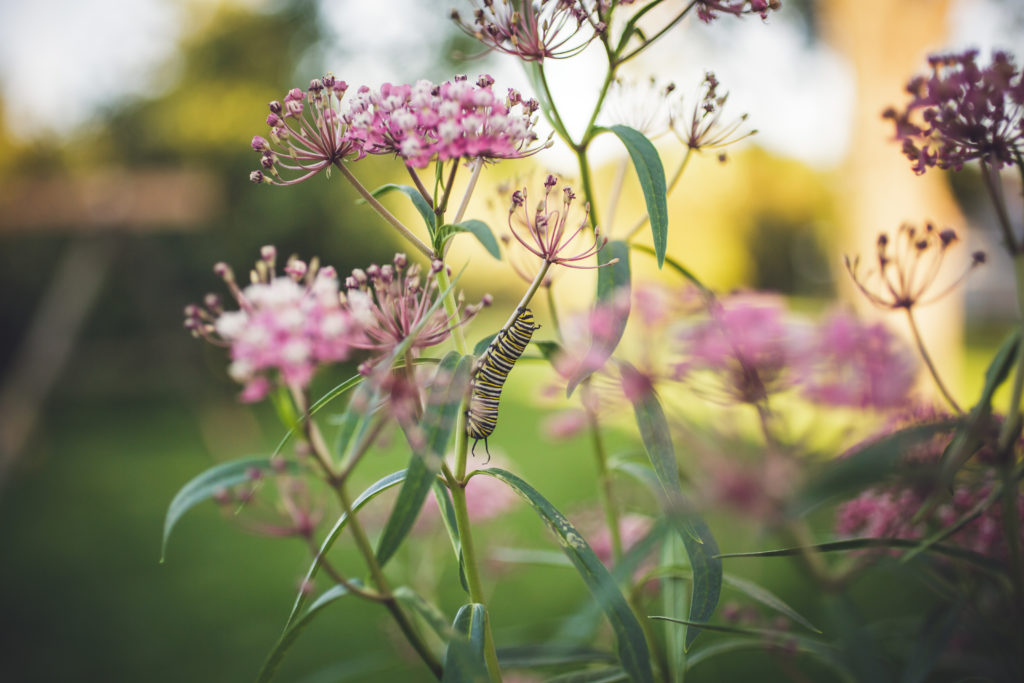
[[995, 191], [605, 489], [384, 213], [926, 357], [665, 29], [478, 166], [554, 118]]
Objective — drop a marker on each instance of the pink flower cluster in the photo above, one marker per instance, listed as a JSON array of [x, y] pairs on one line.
[[287, 324], [962, 112], [533, 30], [849, 363], [708, 10], [893, 512], [457, 119], [756, 350]]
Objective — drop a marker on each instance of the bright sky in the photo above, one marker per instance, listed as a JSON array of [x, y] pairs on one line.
[[62, 60]]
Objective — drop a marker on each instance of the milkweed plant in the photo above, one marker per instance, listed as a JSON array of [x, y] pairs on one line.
[[929, 491]]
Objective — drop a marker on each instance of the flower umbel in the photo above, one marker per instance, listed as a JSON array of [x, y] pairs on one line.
[[307, 134], [907, 270], [702, 127], [392, 302], [708, 10], [455, 120], [962, 112], [286, 326], [533, 30], [545, 231]]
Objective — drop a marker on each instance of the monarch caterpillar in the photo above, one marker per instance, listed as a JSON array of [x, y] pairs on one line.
[[492, 369]]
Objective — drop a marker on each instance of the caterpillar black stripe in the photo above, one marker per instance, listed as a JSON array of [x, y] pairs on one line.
[[491, 372]]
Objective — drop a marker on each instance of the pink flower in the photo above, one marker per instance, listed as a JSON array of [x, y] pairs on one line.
[[533, 30], [455, 120], [746, 340], [962, 112], [285, 326], [708, 10], [392, 302], [849, 363], [545, 231], [307, 134], [701, 127]]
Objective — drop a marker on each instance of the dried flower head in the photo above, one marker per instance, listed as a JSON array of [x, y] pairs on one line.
[[307, 134], [908, 269], [645, 106], [285, 326], [393, 302], [533, 30], [962, 112], [708, 10], [543, 233], [423, 122], [702, 127]]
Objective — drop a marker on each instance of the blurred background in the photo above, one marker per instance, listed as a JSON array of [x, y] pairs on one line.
[[125, 131]]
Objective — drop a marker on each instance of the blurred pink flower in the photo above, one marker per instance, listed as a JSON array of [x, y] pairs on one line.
[[285, 326], [708, 10], [746, 340], [632, 529], [849, 363]]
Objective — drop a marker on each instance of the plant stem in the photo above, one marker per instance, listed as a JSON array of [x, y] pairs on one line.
[[926, 357], [605, 489], [384, 213], [995, 191], [478, 166]]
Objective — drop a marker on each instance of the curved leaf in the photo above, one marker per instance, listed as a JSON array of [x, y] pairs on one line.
[[632, 647], [768, 599], [700, 544], [822, 652], [543, 655], [479, 229], [651, 175], [290, 634], [444, 400], [382, 484], [205, 485], [674, 265], [464, 656], [418, 201], [613, 281]]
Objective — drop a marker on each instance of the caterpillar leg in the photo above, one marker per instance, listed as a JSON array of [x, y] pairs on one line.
[[472, 451]]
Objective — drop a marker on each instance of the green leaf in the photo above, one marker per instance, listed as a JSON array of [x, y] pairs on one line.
[[822, 652], [545, 655], [674, 265], [291, 633], [429, 612], [482, 345], [981, 561], [701, 547], [632, 647], [382, 484], [447, 510], [931, 642], [418, 201], [464, 656], [651, 174], [768, 599], [479, 229], [204, 486], [444, 399], [613, 281], [548, 349], [611, 674], [857, 471]]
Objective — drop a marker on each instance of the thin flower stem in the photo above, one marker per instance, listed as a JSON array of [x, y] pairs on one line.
[[588, 188], [926, 357], [671, 186], [647, 43], [553, 311], [1011, 426], [554, 117], [478, 166], [384, 213], [442, 206], [995, 191], [420, 186], [338, 577], [605, 489], [614, 193]]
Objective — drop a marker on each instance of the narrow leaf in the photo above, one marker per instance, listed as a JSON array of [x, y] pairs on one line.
[[632, 647], [479, 229], [382, 484], [931, 643], [768, 599], [447, 510], [544, 655], [429, 612], [287, 639], [444, 399], [651, 174], [700, 544], [613, 288], [824, 653], [418, 201], [612, 674], [205, 485], [482, 345], [464, 656], [866, 466]]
